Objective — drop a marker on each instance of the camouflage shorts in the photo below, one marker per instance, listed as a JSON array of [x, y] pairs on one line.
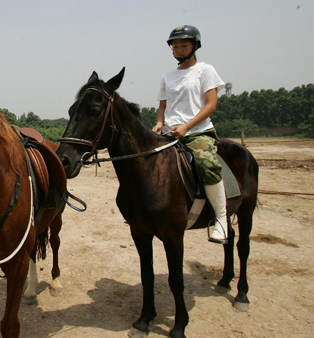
[[204, 147]]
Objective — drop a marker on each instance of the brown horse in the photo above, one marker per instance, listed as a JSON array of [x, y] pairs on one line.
[[17, 234], [151, 196]]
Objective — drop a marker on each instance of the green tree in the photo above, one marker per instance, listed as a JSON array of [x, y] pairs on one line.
[[235, 127], [149, 117], [10, 117]]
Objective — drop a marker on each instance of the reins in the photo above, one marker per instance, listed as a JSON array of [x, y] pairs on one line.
[[94, 144], [126, 157]]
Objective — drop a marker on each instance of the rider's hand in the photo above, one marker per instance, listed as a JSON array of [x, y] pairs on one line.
[[179, 131], [158, 128]]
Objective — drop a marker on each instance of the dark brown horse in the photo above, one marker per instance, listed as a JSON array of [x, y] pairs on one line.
[[17, 233], [151, 196]]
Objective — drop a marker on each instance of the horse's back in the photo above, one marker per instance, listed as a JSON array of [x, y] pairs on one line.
[[245, 169], [239, 158]]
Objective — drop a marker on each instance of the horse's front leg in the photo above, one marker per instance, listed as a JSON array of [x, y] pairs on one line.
[[228, 273], [16, 273], [143, 242], [174, 250], [245, 218]]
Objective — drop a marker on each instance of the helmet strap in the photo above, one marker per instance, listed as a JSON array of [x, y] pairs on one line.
[[181, 60]]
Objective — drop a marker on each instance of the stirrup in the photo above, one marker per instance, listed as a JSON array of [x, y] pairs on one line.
[[219, 241], [214, 240]]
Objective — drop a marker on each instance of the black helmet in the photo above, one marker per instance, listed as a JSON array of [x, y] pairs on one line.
[[185, 32]]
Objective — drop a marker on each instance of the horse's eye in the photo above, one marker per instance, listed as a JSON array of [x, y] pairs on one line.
[[95, 111]]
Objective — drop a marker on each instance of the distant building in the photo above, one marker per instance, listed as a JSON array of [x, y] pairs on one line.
[[228, 88]]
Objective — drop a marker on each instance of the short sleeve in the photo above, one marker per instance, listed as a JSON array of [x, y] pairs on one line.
[[162, 94], [210, 79]]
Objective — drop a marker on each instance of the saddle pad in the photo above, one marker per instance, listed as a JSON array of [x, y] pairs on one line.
[[230, 183]]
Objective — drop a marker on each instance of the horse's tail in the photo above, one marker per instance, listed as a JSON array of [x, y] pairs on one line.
[[41, 244]]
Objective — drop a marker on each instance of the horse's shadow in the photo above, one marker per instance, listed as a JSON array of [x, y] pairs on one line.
[[115, 305]]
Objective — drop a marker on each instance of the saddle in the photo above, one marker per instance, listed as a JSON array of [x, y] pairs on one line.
[[191, 177], [48, 169], [194, 186]]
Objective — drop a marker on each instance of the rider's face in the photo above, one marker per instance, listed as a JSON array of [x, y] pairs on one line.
[[182, 47]]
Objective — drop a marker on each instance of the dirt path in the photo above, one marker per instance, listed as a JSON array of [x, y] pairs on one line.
[[100, 265]]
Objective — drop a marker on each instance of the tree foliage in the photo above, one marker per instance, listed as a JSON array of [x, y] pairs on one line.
[[246, 112], [50, 129], [268, 108], [149, 117]]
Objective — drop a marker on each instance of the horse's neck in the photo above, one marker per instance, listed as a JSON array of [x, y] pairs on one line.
[[11, 153], [133, 137]]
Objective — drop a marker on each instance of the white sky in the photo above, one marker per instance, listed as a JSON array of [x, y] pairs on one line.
[[48, 49]]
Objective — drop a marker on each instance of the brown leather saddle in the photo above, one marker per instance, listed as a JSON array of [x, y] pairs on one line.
[[48, 169]]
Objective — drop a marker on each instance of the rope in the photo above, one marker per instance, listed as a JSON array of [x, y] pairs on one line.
[[286, 193], [27, 230]]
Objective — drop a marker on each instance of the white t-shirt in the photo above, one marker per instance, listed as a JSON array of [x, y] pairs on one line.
[[184, 90]]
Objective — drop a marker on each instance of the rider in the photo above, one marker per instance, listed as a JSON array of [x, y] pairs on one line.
[[188, 98]]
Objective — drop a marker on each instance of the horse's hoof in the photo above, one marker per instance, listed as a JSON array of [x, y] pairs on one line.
[[56, 288], [177, 334], [221, 289], [56, 292], [29, 300], [134, 333], [242, 307]]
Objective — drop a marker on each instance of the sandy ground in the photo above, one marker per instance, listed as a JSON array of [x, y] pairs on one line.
[[100, 266]]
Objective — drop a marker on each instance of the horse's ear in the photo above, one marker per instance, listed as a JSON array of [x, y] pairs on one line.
[[115, 82], [93, 79]]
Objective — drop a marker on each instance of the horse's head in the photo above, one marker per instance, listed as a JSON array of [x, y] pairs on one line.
[[91, 126]]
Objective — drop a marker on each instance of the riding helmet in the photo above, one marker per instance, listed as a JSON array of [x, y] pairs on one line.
[[185, 32]]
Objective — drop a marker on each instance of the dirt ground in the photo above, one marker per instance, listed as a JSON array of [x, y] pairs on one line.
[[100, 266]]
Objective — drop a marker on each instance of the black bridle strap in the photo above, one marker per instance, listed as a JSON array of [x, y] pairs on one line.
[[14, 198], [94, 144]]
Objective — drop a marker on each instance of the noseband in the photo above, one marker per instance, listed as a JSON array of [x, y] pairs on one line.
[[94, 144]]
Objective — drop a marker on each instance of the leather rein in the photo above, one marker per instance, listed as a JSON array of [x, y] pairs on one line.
[[94, 144]]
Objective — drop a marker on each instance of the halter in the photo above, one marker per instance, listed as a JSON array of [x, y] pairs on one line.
[[94, 144]]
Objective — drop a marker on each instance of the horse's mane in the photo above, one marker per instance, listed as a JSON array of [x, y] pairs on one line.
[[134, 108], [8, 141]]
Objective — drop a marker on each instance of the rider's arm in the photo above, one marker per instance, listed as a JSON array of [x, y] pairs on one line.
[[204, 113], [160, 116]]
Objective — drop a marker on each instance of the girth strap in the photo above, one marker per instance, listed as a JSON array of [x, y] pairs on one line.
[[13, 200]]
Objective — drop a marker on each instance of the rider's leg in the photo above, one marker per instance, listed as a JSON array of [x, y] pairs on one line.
[[217, 198]]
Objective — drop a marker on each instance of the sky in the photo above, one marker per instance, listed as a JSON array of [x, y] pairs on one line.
[[49, 49]]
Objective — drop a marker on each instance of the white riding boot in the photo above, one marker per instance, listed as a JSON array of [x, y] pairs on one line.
[[217, 198]]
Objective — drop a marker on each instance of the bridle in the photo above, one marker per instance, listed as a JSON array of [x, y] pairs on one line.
[[94, 144]]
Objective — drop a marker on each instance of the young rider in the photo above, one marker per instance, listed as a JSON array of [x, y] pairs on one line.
[[188, 98]]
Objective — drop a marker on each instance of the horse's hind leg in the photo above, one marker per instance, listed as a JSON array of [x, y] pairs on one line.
[[16, 273], [228, 273], [56, 288], [144, 245], [245, 218], [174, 251]]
